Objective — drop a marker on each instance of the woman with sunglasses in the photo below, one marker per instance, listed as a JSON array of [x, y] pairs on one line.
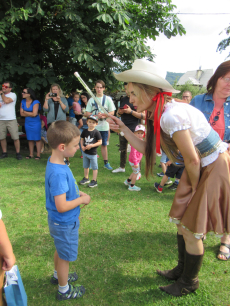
[[201, 203], [215, 105], [30, 110]]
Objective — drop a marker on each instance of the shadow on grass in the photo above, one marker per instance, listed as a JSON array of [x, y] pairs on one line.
[[122, 266]]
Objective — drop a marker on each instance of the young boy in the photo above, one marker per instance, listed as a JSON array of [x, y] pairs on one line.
[[90, 140], [172, 171], [63, 200]]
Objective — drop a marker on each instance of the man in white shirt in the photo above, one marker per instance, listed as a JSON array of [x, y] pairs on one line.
[[8, 119], [103, 126]]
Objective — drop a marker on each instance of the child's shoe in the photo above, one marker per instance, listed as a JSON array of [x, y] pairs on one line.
[[158, 189], [73, 293], [160, 174], [84, 181], [173, 186], [107, 166], [127, 183], [72, 277], [134, 188], [168, 181], [93, 184]]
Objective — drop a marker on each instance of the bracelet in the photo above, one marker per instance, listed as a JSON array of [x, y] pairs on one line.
[[131, 112]]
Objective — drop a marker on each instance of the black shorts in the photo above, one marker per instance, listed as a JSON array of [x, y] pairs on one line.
[[174, 170]]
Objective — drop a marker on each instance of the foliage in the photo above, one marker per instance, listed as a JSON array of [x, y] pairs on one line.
[[225, 42], [123, 238], [171, 77], [42, 42], [195, 90]]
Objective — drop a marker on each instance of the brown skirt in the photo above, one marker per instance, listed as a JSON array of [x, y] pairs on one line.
[[209, 208]]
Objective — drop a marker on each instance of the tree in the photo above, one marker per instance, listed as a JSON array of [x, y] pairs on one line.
[[45, 41], [188, 86], [225, 42]]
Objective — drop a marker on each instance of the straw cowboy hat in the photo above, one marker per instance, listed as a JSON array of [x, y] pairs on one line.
[[147, 73]]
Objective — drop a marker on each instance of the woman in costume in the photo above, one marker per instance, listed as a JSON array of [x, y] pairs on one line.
[[215, 105], [201, 202]]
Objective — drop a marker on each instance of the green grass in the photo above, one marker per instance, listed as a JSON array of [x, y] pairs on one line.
[[124, 237]]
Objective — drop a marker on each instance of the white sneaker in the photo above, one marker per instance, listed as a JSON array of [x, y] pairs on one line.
[[118, 170], [138, 176]]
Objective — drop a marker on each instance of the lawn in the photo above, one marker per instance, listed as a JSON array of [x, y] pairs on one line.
[[124, 237]]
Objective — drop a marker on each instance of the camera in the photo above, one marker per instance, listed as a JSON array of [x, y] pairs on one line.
[[53, 95]]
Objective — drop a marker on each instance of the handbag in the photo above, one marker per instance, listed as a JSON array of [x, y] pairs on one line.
[[15, 293]]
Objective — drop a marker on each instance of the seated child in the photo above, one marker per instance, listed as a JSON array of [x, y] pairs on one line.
[[172, 171], [90, 140], [63, 200], [7, 258], [134, 160]]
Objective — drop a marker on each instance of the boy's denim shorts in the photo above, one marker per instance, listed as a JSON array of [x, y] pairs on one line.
[[65, 239], [90, 160], [104, 136]]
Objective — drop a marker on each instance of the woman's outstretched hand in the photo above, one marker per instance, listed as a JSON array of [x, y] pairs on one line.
[[115, 124]]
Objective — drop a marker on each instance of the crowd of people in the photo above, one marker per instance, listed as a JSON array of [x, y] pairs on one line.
[[192, 136]]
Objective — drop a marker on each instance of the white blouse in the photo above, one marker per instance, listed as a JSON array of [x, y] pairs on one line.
[[179, 116]]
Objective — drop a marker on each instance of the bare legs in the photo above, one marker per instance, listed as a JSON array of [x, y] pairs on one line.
[[31, 147], [16, 144], [62, 268], [192, 245]]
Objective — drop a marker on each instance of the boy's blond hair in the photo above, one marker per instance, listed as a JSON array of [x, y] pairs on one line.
[[61, 132]]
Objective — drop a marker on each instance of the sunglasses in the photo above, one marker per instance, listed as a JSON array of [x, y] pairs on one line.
[[4, 86], [215, 119], [24, 92]]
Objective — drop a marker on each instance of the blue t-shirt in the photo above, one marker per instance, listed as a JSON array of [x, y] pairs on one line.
[[58, 180]]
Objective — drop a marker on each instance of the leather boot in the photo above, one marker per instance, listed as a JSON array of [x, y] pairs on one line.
[[176, 272], [188, 282]]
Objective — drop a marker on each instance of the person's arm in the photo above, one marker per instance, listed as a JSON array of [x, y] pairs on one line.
[[21, 111], [97, 144], [82, 144], [63, 104], [6, 250], [30, 114], [5, 99], [80, 123], [62, 205], [129, 111], [118, 126], [186, 147]]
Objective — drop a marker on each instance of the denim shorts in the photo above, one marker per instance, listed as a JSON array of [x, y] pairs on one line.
[[104, 136], [65, 239], [163, 158], [90, 160]]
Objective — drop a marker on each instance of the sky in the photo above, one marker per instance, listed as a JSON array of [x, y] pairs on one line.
[[198, 46]]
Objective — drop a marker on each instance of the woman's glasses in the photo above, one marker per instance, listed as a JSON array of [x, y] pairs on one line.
[[227, 80], [24, 92], [215, 119]]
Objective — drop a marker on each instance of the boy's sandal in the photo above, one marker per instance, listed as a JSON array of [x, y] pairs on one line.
[[38, 157], [227, 255], [29, 157]]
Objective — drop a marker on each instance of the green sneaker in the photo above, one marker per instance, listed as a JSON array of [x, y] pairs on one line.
[[73, 293], [72, 278]]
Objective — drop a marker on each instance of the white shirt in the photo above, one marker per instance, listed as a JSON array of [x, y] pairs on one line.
[[7, 111], [179, 116]]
